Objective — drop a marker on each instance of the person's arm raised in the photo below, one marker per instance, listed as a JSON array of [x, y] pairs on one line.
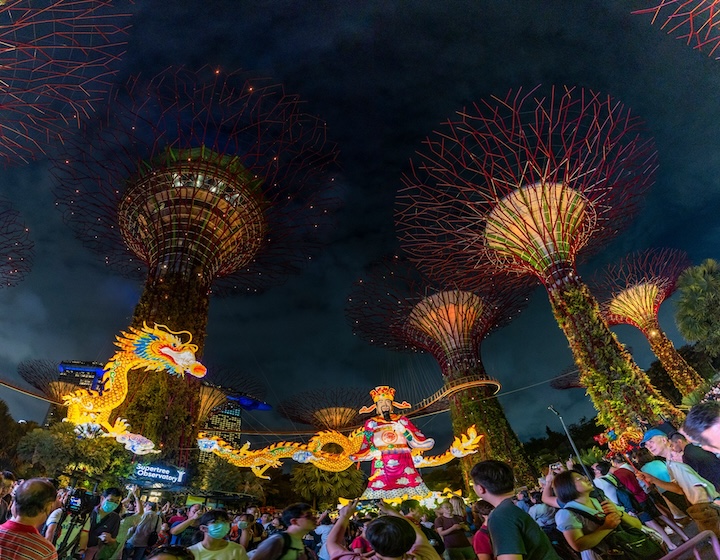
[[335, 544]]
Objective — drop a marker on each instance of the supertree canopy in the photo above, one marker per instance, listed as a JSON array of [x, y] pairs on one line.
[[333, 408], [527, 183], [45, 377], [568, 379], [210, 399], [632, 291], [55, 62], [233, 381], [697, 22], [400, 308], [16, 248], [199, 182]]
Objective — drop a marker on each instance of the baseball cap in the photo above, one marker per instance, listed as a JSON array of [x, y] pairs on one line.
[[651, 434]]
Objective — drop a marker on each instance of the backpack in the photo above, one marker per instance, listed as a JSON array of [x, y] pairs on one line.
[[153, 536], [626, 543], [626, 498], [287, 543], [435, 540]]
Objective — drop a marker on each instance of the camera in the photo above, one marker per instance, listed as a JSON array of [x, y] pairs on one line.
[[80, 502]]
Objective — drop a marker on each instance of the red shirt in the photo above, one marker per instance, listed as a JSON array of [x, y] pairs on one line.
[[361, 543], [627, 478], [481, 542], [23, 542]]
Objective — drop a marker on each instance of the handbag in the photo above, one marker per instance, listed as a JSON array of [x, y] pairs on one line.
[[628, 543]]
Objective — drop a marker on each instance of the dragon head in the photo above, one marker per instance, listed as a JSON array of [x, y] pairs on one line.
[[158, 348]]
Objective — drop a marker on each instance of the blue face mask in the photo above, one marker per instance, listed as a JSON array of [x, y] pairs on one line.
[[218, 530], [242, 525], [108, 506]]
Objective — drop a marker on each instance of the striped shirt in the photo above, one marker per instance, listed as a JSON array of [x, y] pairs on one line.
[[23, 542]]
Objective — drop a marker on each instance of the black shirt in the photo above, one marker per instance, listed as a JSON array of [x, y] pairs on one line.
[[704, 463], [108, 524]]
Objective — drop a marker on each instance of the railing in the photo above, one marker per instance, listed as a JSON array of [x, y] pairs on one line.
[[693, 545], [456, 385]]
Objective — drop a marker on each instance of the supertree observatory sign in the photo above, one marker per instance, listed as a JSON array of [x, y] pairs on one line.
[[165, 474]]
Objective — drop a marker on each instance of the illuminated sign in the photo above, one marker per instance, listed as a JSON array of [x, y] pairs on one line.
[[160, 473]]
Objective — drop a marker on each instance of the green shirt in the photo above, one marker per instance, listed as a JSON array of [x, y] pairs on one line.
[[513, 531]]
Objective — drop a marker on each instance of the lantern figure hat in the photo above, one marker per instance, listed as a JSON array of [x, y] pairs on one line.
[[383, 393]]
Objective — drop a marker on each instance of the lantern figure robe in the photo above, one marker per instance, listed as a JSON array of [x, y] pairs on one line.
[[388, 442]]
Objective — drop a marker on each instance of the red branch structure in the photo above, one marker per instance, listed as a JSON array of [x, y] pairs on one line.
[[632, 291], [697, 22], [528, 183], [400, 308], [56, 59], [333, 408], [16, 247], [199, 182]]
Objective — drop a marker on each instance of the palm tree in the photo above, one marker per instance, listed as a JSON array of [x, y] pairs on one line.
[[323, 488], [697, 315]]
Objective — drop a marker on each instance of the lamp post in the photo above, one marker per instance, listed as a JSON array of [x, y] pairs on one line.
[[572, 442]]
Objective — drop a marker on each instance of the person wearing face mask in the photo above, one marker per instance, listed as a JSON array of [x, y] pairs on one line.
[[215, 526], [104, 523], [19, 536], [245, 531]]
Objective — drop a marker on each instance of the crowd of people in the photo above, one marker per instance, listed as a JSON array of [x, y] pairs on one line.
[[578, 512]]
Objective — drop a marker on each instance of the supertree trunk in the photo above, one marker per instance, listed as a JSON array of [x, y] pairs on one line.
[[682, 374], [161, 407], [478, 407], [621, 392]]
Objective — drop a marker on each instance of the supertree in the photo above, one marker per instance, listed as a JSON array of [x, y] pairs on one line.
[[329, 408], [697, 22], [527, 183], [200, 182], [234, 381], [632, 291], [55, 62], [45, 377], [400, 308], [210, 399]]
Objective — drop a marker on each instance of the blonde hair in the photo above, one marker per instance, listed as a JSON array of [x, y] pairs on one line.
[[457, 505]]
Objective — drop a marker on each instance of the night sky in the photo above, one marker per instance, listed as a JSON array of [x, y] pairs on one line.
[[384, 74]]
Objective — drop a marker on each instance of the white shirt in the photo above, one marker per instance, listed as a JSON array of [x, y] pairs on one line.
[[608, 489], [233, 551]]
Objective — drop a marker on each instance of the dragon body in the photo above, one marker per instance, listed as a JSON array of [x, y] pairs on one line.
[[259, 460], [152, 348]]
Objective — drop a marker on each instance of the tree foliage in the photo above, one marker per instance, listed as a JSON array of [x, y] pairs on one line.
[[697, 314], [12, 433], [323, 488], [446, 476], [51, 452], [556, 447], [220, 476], [699, 361]]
